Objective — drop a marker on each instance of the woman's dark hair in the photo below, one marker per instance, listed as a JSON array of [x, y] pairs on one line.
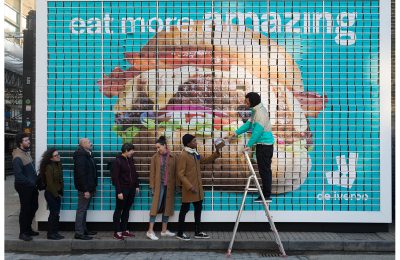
[[254, 98], [46, 159], [19, 137], [162, 140], [127, 147]]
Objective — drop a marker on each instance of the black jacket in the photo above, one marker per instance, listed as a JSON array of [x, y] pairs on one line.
[[23, 168], [85, 173], [124, 174]]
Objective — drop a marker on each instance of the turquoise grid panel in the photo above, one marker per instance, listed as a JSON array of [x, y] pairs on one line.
[[100, 46]]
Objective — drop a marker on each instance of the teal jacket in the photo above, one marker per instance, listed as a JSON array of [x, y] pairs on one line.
[[260, 127]]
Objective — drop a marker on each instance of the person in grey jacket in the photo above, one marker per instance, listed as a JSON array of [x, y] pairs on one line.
[[25, 185], [85, 180]]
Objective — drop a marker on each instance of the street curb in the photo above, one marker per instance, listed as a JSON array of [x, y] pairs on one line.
[[70, 245]]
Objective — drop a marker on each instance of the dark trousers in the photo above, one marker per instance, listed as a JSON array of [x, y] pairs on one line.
[[264, 159], [28, 197], [198, 205], [121, 212], [54, 204], [81, 213]]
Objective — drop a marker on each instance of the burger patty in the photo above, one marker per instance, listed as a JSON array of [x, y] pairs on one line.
[[132, 117], [212, 93]]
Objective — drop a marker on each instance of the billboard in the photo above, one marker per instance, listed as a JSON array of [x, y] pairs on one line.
[[130, 71]]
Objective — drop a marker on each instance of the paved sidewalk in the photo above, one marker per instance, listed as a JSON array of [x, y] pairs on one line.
[[292, 241]]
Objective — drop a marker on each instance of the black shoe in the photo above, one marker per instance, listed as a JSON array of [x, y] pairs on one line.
[[82, 237], [201, 235], [90, 233], [53, 237], [32, 233], [25, 237], [183, 236], [60, 236]]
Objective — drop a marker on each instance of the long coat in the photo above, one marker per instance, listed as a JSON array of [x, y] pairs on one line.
[[188, 170], [155, 183]]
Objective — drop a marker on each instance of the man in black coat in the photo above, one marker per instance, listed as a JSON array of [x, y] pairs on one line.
[[85, 179]]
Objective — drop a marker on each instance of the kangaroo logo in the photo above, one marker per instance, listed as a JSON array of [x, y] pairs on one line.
[[346, 173]]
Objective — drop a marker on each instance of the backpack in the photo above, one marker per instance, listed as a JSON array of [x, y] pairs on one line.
[[41, 181]]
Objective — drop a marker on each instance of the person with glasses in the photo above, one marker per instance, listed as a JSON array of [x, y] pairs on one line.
[[51, 169]]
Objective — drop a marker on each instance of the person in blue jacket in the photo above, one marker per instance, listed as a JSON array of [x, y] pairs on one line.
[[262, 137]]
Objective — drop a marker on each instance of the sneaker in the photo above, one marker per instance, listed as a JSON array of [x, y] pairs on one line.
[[201, 235], [118, 237], [25, 237], [151, 235], [183, 236], [128, 234], [167, 233]]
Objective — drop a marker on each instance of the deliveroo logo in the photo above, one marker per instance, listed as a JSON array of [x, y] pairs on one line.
[[346, 173]]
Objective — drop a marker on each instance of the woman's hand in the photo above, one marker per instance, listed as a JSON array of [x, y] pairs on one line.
[[137, 190], [86, 195], [120, 196], [193, 189]]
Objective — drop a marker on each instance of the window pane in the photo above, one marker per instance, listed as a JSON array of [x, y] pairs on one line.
[[11, 14]]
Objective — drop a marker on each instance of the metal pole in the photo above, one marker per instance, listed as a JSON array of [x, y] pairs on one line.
[[238, 216]]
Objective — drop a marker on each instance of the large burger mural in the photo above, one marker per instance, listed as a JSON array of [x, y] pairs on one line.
[[194, 80]]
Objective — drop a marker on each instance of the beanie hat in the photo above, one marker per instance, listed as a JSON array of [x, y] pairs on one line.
[[187, 138]]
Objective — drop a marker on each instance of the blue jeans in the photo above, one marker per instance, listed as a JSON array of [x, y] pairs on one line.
[[163, 189], [164, 219]]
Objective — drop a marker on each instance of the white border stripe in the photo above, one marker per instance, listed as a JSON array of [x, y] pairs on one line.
[[385, 109], [41, 92]]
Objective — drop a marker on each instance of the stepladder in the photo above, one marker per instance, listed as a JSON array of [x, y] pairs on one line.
[[250, 179]]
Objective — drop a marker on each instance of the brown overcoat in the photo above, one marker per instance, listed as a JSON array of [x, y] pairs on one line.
[[188, 171], [155, 183]]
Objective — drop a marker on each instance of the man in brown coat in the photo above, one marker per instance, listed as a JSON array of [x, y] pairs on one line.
[[188, 171]]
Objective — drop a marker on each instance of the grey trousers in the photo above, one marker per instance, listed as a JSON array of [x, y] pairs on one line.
[[81, 212]]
